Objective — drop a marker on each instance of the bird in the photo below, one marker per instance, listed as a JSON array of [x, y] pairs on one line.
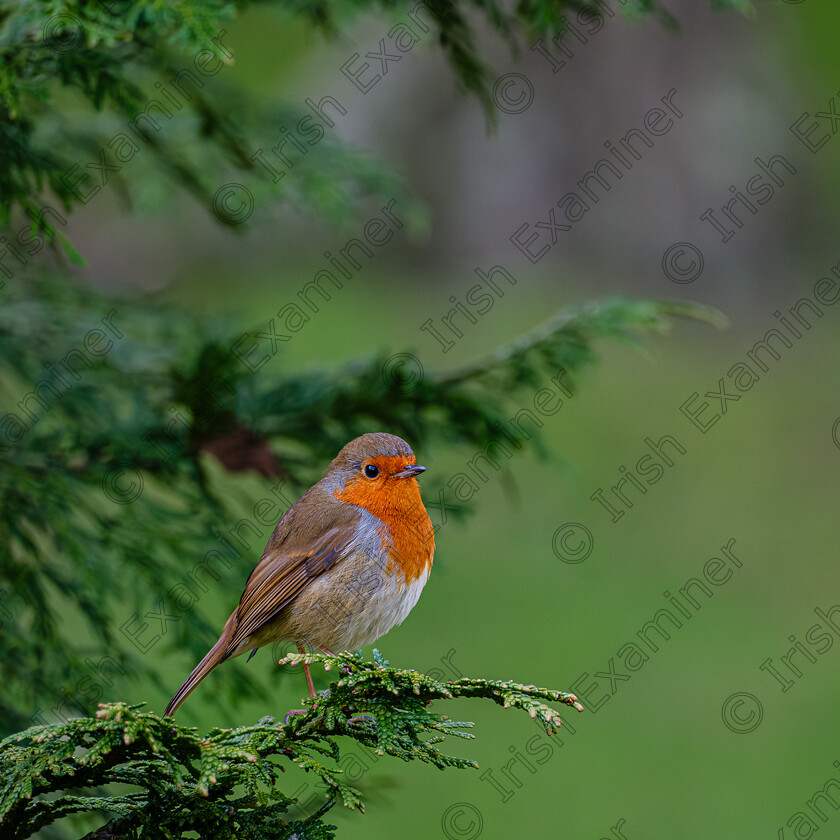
[[345, 563]]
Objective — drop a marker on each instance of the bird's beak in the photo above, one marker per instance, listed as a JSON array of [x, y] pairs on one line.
[[410, 472]]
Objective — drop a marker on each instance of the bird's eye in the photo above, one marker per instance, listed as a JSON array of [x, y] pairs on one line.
[[371, 471]]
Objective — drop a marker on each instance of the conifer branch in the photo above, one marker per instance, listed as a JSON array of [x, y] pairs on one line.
[[224, 784], [110, 53]]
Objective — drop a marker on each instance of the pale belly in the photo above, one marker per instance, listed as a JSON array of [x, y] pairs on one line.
[[352, 605]]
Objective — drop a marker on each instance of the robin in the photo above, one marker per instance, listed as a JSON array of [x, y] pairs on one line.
[[345, 564]]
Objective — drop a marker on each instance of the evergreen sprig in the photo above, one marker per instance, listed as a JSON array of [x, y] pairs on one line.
[[107, 54], [224, 784]]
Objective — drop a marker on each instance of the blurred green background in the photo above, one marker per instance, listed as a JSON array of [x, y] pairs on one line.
[[658, 755]]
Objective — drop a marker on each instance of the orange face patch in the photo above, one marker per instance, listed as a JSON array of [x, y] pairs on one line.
[[406, 528]]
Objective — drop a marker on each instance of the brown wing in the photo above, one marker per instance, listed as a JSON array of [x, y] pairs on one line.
[[301, 548], [286, 569]]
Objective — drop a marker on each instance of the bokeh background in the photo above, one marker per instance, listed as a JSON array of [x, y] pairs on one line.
[[667, 753]]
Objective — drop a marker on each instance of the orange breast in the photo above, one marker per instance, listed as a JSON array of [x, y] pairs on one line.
[[406, 531]]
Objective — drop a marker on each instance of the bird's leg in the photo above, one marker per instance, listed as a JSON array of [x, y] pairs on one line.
[[310, 685], [325, 650]]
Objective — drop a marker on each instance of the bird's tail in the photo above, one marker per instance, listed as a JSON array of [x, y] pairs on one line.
[[215, 656]]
